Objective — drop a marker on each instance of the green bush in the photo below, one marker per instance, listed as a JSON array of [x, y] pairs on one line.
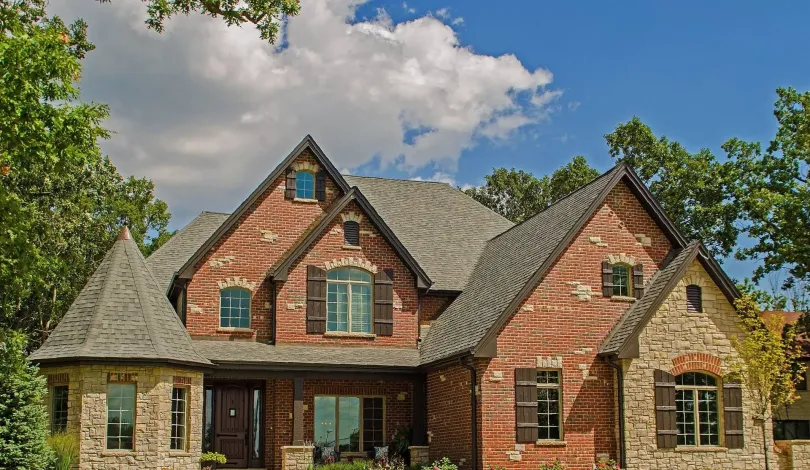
[[554, 465], [356, 465], [443, 464], [65, 449], [213, 457], [23, 418]]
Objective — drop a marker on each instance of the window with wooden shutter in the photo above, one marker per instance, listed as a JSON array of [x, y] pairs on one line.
[[665, 410], [316, 300], [351, 233], [733, 414], [526, 424], [383, 304], [289, 186], [694, 298], [638, 281], [320, 185], [607, 279]]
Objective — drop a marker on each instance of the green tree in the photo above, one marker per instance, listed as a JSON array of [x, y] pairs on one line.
[[23, 419], [766, 363], [518, 195], [266, 15], [61, 201], [695, 189]]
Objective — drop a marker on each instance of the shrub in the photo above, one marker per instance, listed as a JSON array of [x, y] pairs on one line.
[[606, 465], [65, 449], [213, 457], [556, 464], [23, 418], [443, 464], [356, 465]]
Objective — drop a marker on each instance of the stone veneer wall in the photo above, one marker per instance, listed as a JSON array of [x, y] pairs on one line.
[[672, 333], [793, 455], [87, 414]]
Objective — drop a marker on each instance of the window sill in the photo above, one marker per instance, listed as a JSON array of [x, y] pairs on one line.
[[352, 247], [233, 329], [343, 334], [180, 453], [622, 298], [551, 443], [117, 453], [306, 200], [701, 449]]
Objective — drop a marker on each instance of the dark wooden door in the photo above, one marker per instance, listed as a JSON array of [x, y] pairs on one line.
[[232, 424]]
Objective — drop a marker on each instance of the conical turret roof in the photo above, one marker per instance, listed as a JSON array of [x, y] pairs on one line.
[[121, 315]]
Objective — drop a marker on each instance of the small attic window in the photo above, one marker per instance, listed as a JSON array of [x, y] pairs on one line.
[[694, 298], [304, 185], [351, 233]]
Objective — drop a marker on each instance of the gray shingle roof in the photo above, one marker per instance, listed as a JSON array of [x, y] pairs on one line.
[[170, 257], [655, 292], [122, 314], [442, 228], [260, 354], [507, 264]]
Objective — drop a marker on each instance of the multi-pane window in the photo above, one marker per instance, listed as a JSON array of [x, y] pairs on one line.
[[59, 408], [696, 407], [120, 416], [349, 424], [305, 185], [548, 404], [234, 308], [791, 429], [621, 280], [179, 431], [348, 301]]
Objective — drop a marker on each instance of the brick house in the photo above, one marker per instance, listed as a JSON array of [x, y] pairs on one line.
[[327, 312]]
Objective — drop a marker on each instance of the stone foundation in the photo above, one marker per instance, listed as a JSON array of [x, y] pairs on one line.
[[87, 416], [296, 457], [420, 455], [793, 455]]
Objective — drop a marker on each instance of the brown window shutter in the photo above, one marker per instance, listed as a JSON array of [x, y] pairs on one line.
[[289, 191], [607, 279], [694, 298], [316, 300], [638, 281], [383, 304], [733, 414], [526, 429], [320, 186], [665, 423]]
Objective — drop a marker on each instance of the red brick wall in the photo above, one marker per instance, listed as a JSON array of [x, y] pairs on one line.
[[556, 323], [433, 306], [398, 408]]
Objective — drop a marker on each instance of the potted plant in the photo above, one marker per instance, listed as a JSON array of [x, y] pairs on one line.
[[209, 460]]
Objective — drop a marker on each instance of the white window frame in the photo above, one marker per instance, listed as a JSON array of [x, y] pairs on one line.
[[349, 300], [314, 184], [696, 407], [629, 270], [186, 418], [559, 387]]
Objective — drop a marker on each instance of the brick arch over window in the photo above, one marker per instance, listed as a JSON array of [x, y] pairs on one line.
[[696, 362]]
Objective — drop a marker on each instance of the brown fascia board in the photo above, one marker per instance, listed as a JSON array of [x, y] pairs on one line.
[[113, 362], [279, 273], [187, 271]]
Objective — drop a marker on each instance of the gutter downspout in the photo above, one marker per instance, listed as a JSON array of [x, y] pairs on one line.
[[620, 386], [474, 409], [273, 315]]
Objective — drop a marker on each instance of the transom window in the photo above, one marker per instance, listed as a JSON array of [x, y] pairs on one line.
[[179, 418], [234, 308], [348, 300], [548, 404], [349, 424], [59, 408], [696, 409], [120, 416], [304, 185], [621, 280]]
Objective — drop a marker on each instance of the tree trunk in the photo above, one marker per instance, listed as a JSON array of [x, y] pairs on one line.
[[765, 445]]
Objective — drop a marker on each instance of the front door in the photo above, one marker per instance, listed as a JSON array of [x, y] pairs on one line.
[[234, 429]]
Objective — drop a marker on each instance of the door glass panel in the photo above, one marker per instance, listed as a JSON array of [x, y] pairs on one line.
[[208, 426], [257, 422]]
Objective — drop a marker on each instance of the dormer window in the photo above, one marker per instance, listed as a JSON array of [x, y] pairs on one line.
[[351, 233], [304, 185]]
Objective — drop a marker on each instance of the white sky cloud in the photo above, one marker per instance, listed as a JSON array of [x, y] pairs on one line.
[[207, 111]]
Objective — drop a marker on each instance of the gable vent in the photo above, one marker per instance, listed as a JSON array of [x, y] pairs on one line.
[[351, 233], [694, 298]]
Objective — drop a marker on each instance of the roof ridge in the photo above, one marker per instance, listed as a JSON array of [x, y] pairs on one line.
[[398, 179], [212, 212]]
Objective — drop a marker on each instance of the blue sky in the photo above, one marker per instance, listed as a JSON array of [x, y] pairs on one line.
[[207, 111]]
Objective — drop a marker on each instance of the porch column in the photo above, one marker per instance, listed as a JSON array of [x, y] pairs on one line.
[[419, 436], [298, 411]]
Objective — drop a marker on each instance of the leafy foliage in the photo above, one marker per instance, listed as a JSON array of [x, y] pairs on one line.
[[443, 464], [555, 464], [23, 418], [266, 15], [61, 201], [518, 195], [213, 457], [65, 447]]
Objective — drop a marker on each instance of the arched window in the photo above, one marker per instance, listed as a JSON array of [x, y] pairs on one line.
[[694, 298], [621, 280], [304, 185], [234, 308], [351, 233], [348, 300], [696, 408]]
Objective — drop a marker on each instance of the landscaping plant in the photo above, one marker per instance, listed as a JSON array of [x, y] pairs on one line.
[[65, 447], [556, 464], [209, 460]]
